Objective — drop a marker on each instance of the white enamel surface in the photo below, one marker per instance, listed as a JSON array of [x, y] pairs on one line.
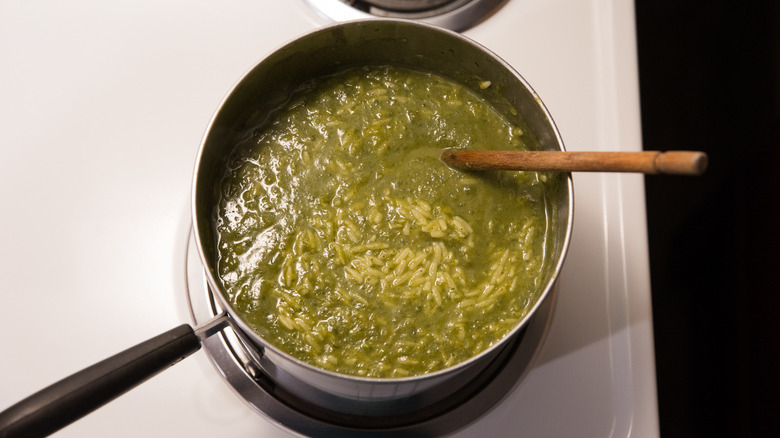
[[102, 108]]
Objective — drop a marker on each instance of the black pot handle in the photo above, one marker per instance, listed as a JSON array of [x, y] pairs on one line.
[[66, 401]]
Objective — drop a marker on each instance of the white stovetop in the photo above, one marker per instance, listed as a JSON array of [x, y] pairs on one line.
[[102, 107]]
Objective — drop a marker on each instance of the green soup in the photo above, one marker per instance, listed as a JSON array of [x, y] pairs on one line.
[[346, 243]]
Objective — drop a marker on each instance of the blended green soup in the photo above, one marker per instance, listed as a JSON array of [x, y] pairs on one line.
[[346, 243]]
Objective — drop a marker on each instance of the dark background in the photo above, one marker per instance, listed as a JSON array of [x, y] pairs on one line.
[[710, 81]]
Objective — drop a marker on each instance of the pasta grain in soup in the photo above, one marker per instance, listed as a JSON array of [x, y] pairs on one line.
[[346, 243]]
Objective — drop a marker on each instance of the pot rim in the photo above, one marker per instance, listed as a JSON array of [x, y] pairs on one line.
[[262, 344]]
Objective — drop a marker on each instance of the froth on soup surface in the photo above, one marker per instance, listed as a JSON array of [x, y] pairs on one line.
[[346, 243]]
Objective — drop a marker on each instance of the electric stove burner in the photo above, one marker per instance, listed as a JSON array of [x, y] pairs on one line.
[[451, 14], [408, 5], [234, 357]]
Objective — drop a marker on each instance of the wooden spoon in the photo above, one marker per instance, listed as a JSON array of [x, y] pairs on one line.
[[650, 162]]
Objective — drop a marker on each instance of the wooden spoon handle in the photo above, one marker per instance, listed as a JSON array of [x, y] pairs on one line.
[[651, 162]]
